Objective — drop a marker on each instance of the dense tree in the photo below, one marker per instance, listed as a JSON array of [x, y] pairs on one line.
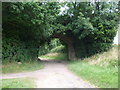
[[91, 26], [86, 28], [25, 28]]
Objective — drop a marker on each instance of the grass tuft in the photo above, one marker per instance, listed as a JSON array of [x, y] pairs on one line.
[[18, 83], [16, 67]]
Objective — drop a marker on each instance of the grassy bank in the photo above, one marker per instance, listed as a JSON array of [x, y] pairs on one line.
[[16, 67], [100, 70], [18, 83], [54, 56], [102, 77]]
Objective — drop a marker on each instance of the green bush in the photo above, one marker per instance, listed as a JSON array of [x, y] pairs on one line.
[[83, 48], [15, 50]]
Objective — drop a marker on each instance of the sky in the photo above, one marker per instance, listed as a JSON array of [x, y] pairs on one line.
[[116, 39]]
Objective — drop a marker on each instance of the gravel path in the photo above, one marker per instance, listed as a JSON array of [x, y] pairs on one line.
[[54, 75]]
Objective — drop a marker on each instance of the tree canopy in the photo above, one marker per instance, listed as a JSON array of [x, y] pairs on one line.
[[91, 26]]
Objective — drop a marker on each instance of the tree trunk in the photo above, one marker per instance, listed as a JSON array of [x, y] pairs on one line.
[[71, 52], [69, 42]]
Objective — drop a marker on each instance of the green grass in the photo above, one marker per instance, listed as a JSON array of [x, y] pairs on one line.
[[58, 49], [54, 56], [100, 69], [18, 83], [102, 77], [14, 67]]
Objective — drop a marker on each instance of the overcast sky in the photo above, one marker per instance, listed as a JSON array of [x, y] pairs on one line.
[[116, 39]]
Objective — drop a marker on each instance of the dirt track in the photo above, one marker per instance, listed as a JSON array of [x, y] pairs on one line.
[[54, 75]]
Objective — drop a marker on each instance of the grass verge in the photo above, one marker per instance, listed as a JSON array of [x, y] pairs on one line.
[[54, 56], [100, 69], [16, 67], [18, 83], [102, 77]]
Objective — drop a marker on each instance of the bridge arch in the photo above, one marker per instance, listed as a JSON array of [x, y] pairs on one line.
[[69, 42]]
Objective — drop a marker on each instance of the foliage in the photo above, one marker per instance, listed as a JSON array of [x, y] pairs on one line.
[[54, 45], [18, 83], [14, 50], [25, 28], [91, 25], [58, 49]]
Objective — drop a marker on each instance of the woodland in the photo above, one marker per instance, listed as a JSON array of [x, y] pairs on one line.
[[30, 29]]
